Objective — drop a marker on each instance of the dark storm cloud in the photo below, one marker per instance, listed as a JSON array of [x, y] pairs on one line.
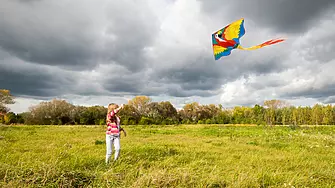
[[288, 16], [195, 78], [266, 84], [118, 47], [109, 33], [329, 100], [122, 86], [193, 75], [313, 92], [116, 33], [192, 78], [37, 81], [134, 29], [204, 78], [181, 92], [34, 82], [28, 1], [33, 85], [266, 67], [37, 33], [125, 31], [273, 62]]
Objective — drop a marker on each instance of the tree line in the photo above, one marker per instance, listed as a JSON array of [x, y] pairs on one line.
[[141, 110]]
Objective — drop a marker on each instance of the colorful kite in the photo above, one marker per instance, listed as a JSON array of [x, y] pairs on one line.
[[228, 38]]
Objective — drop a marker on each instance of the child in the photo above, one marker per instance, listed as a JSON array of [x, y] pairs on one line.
[[113, 131]]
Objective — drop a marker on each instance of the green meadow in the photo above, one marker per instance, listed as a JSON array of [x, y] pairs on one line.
[[169, 156]]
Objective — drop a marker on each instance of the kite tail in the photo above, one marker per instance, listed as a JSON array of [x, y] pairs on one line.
[[267, 43]]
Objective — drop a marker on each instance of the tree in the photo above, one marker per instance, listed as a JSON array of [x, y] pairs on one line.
[[190, 112], [168, 112], [76, 114], [5, 99], [39, 114], [317, 115], [10, 118], [238, 115], [93, 115], [55, 112], [154, 112], [28, 118], [224, 117], [129, 115], [140, 104], [258, 114], [275, 104], [287, 115], [272, 106], [327, 115], [59, 111], [19, 118]]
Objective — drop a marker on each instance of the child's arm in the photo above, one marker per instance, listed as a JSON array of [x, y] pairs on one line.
[[118, 109], [124, 131], [108, 118]]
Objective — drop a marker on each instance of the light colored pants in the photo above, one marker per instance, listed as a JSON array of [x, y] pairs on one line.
[[110, 140]]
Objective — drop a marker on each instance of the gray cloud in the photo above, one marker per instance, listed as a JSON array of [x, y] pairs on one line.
[[324, 94], [126, 34], [329, 100], [288, 16], [132, 28], [193, 75], [34, 81], [115, 48], [37, 33], [126, 86], [204, 77], [319, 45], [323, 51], [266, 84], [79, 38]]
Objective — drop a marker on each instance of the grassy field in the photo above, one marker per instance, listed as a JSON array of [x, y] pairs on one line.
[[168, 156]]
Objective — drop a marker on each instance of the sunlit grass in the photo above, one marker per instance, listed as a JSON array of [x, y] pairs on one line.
[[169, 156]]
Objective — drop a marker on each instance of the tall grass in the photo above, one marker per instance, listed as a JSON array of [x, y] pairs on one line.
[[168, 156]]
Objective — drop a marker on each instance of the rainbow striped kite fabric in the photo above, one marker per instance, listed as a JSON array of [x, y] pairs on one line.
[[228, 38]]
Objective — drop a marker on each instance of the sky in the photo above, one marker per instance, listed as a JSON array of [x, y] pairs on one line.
[[96, 52]]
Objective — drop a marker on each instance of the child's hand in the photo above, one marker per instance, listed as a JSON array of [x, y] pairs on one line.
[[124, 132]]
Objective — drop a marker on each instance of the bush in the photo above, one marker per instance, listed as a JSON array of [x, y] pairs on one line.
[[146, 121], [125, 122], [102, 122], [132, 122], [208, 121], [200, 122], [9, 118]]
